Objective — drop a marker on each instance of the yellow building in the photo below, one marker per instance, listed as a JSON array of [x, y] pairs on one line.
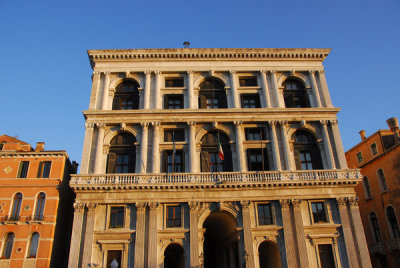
[[214, 158]]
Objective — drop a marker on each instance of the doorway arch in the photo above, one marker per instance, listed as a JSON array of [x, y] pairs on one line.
[[174, 256], [220, 241], [269, 256]]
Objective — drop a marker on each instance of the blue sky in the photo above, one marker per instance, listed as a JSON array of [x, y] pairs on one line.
[[45, 73]]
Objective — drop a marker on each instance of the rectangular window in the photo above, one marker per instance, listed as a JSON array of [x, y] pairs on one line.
[[114, 255], [174, 82], [306, 160], [257, 159], [374, 149], [248, 81], [359, 157], [212, 103], [178, 134], [44, 169], [173, 217], [117, 217], [318, 212], [173, 162], [23, 169], [265, 214], [326, 258], [255, 134], [173, 101], [250, 101]]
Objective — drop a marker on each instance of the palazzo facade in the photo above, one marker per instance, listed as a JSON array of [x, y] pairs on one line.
[[214, 158]]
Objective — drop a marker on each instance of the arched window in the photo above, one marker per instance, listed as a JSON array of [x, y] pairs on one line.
[[8, 245], [174, 256], [382, 180], [295, 94], [40, 201], [212, 94], [16, 208], [306, 153], [375, 227], [126, 96], [392, 220], [33, 247], [122, 154], [209, 155], [367, 188]]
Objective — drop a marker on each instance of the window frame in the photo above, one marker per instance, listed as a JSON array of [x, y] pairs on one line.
[[382, 181], [7, 249], [123, 219], [23, 169], [40, 216], [174, 78], [273, 213], [248, 78], [246, 97], [367, 188], [326, 212], [179, 97], [257, 130], [44, 169], [295, 98], [168, 133], [258, 152], [333, 251], [121, 95], [374, 149], [166, 206], [392, 233], [166, 164], [373, 229], [14, 216], [359, 157], [29, 251]]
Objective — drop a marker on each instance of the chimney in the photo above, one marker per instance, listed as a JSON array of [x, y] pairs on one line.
[[393, 124], [39, 146], [362, 135]]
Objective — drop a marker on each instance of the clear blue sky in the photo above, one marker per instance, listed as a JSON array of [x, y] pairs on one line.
[[45, 73]]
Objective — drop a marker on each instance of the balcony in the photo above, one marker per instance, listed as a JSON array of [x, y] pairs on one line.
[[216, 179]]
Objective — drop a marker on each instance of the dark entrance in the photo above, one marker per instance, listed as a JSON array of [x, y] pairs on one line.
[[173, 257], [269, 255], [220, 241]]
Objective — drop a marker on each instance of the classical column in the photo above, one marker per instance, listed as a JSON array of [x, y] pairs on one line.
[[75, 247], [325, 91], [152, 256], [190, 87], [286, 149], [275, 90], [235, 97], [347, 232], [194, 239], [291, 251], [275, 147], [265, 89], [338, 145], [192, 147], [239, 146], [155, 149], [327, 145], [106, 87], [143, 148], [361, 243], [88, 244], [99, 149], [247, 233], [301, 240], [87, 148], [147, 88], [315, 89], [140, 234], [158, 90], [94, 96]]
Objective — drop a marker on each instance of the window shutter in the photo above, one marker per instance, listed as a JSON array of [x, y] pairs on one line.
[[20, 169], [297, 159], [222, 100], [249, 167], [132, 160], [165, 102], [205, 167], [115, 105], [202, 101], [258, 105], [112, 159], [39, 175], [164, 161]]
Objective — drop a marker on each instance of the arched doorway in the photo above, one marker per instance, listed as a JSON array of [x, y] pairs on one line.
[[209, 156], [220, 241], [269, 256], [173, 256]]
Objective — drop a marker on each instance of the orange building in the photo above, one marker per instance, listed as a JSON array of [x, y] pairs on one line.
[[35, 205], [378, 156]]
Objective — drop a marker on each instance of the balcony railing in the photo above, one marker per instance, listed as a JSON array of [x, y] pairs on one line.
[[214, 178]]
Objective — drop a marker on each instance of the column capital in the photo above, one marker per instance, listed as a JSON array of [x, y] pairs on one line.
[[232, 71], [272, 122], [79, 208], [157, 72], [263, 71], [321, 71], [324, 122], [153, 206], [334, 122], [238, 122], [272, 71], [245, 204], [296, 202], [283, 122], [100, 125], [342, 201], [96, 73], [189, 72], [141, 207], [285, 203], [147, 72], [214, 124], [191, 123], [156, 123], [194, 205], [89, 125], [353, 201], [91, 207], [144, 124], [311, 71]]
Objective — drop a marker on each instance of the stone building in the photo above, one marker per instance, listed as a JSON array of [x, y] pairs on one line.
[[214, 158], [36, 205], [378, 157]]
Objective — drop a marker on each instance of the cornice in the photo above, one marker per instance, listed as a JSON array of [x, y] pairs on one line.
[[14, 154], [242, 54]]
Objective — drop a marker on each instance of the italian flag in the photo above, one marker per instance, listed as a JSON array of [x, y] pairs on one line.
[[220, 151]]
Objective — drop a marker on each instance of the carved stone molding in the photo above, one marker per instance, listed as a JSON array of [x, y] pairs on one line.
[[342, 201], [147, 72], [238, 123], [283, 123], [156, 123], [272, 122], [79, 208], [194, 205], [190, 72], [191, 123], [89, 125], [141, 207], [157, 72], [353, 201], [245, 204], [100, 125], [334, 122], [285, 203], [154, 206], [144, 124], [91, 207], [106, 149], [214, 124], [324, 122], [296, 202]]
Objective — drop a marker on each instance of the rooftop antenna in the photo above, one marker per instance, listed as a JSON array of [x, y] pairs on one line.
[[186, 44]]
